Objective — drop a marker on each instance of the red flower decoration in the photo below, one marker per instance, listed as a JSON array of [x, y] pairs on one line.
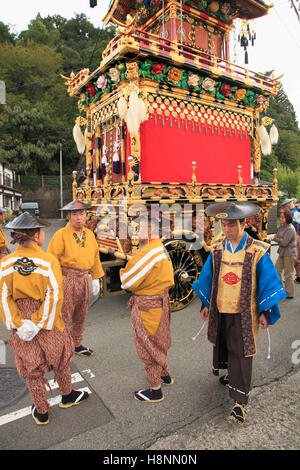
[[225, 90], [91, 90], [157, 69]]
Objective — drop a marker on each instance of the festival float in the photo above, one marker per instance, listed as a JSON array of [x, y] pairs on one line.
[[169, 124]]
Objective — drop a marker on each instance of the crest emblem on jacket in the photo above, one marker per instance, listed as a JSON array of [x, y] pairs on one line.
[[24, 266]]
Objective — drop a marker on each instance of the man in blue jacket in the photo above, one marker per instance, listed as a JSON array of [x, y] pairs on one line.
[[240, 290]]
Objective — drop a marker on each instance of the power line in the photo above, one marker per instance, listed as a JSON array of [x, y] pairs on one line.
[[49, 78], [295, 9], [288, 30]]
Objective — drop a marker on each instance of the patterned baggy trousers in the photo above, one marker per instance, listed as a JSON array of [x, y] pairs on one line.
[[76, 301], [152, 350], [48, 350]]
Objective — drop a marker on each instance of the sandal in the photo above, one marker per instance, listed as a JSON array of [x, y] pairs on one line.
[[238, 414], [224, 380], [167, 380], [74, 398], [149, 396], [39, 418], [83, 351]]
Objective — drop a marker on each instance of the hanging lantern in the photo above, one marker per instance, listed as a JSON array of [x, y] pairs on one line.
[[246, 36]]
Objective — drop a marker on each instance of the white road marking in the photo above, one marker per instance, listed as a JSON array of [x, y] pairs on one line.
[[88, 371], [8, 418], [76, 377]]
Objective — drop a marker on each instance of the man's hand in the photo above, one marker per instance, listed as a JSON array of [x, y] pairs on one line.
[[204, 313], [28, 330], [263, 321], [95, 287]]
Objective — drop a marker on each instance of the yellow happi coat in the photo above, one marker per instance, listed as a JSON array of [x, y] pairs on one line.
[[149, 272], [3, 241], [76, 253], [31, 273]]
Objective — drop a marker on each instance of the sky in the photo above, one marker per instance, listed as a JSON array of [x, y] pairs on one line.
[[277, 45]]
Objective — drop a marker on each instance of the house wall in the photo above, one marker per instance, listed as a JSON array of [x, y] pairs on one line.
[[10, 196], [49, 200]]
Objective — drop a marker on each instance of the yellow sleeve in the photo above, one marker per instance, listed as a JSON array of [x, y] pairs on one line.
[[3, 241], [49, 313], [9, 312], [56, 245], [96, 270]]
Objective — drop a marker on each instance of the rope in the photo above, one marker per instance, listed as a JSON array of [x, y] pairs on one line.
[[163, 20], [269, 345], [196, 336], [181, 24]]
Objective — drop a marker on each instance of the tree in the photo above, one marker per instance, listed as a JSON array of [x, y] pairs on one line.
[[26, 140], [29, 70], [286, 154], [288, 181], [5, 34], [80, 41]]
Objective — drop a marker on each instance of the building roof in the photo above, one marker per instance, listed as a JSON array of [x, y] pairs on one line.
[[245, 9]]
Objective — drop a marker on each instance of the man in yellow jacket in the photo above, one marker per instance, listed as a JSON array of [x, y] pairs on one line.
[[76, 249], [31, 297], [149, 276]]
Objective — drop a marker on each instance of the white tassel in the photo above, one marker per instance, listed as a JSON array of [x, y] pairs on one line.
[[79, 138], [263, 134], [274, 135], [141, 110], [265, 142], [266, 147], [122, 107], [132, 121], [134, 101]]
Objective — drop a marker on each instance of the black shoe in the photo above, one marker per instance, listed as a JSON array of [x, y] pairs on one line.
[[224, 380], [238, 414], [83, 351], [74, 398], [39, 418], [167, 380], [150, 396]]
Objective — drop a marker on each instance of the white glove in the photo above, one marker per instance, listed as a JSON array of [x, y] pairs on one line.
[[95, 287], [28, 330]]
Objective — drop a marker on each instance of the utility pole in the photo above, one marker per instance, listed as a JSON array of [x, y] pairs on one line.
[[60, 174], [2, 92]]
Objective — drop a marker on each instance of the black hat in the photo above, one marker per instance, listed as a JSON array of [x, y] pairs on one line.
[[232, 210], [75, 206], [26, 221]]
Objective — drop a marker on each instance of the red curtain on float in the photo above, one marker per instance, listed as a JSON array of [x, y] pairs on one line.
[[168, 150]]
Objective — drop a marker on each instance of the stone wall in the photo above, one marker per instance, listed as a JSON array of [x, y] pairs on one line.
[[49, 200]]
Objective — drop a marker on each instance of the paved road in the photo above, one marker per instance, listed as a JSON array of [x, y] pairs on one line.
[[192, 416]]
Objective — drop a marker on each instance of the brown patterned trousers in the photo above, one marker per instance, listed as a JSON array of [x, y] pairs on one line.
[[152, 349], [48, 350], [76, 301]]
